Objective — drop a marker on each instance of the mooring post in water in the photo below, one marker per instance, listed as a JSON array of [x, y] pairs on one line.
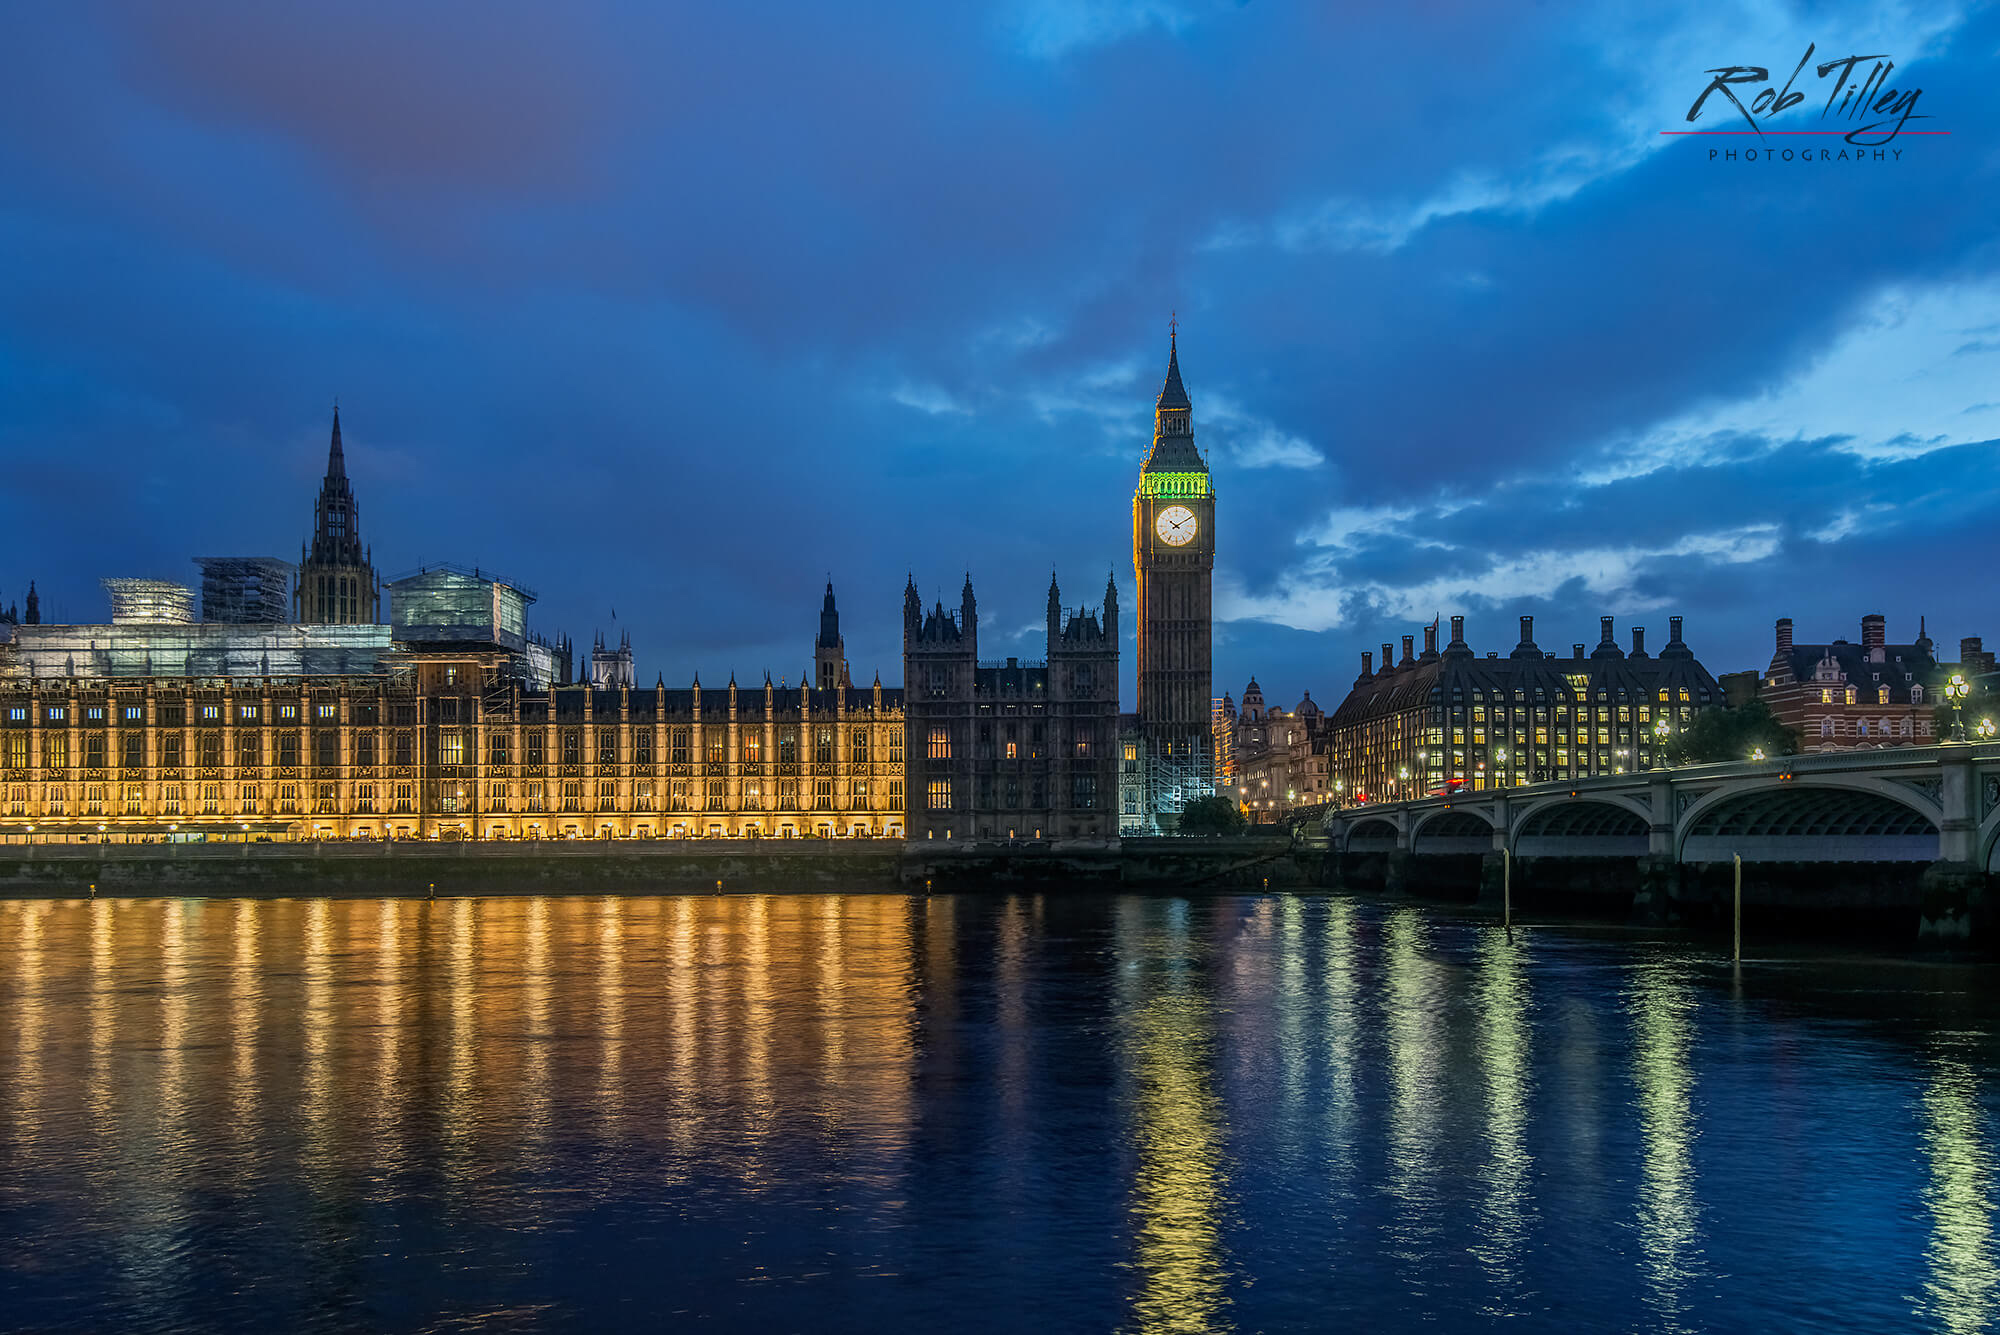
[[1736, 914], [432, 893], [718, 887], [1507, 888], [93, 889]]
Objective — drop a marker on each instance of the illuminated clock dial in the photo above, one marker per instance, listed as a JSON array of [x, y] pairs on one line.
[[1176, 526]]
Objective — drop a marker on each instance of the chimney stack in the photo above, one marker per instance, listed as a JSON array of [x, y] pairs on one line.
[[1430, 641], [1367, 663], [1638, 641], [1388, 655], [1784, 635], [1673, 630], [1458, 630], [1874, 635], [1409, 651], [1605, 636], [1576, 650]]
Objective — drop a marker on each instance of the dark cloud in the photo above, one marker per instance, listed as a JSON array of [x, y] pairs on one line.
[[679, 308]]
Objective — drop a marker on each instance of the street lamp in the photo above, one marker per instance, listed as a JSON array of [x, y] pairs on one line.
[[1403, 777], [1985, 730], [1955, 692], [1757, 754], [1661, 731]]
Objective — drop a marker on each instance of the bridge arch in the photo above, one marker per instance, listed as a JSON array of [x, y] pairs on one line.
[[1371, 834], [1820, 820], [1602, 825], [1452, 830]]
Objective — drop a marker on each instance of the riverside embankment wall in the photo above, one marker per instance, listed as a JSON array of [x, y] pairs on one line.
[[368, 870]]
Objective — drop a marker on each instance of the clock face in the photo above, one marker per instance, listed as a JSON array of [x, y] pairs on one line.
[[1176, 526]]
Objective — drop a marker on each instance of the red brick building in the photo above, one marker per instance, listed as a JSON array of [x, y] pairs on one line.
[[1845, 696]]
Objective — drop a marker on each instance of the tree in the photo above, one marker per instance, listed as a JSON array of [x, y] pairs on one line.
[[1731, 734], [1211, 815]]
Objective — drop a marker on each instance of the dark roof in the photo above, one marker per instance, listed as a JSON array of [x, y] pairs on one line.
[[1898, 660]]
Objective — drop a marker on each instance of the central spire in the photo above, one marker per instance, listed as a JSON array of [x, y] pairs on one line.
[[336, 462]]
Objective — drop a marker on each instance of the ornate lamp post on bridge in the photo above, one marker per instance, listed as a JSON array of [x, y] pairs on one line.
[[1955, 692]]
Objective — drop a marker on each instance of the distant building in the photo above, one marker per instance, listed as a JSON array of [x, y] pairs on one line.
[[1450, 718], [443, 609], [1282, 758], [1842, 696], [337, 584], [1010, 750], [245, 590], [611, 665]]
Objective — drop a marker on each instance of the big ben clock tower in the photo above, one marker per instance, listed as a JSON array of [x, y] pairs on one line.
[[1173, 556]]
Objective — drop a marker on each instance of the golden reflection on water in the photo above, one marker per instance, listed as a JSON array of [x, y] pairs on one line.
[[1964, 1281], [1340, 992], [1169, 1037], [1506, 1217], [1662, 1003], [1416, 1093]]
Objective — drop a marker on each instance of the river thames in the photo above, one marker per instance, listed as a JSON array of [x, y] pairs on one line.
[[1088, 1112]]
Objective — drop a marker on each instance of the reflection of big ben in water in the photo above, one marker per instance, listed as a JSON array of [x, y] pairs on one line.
[[1173, 555]]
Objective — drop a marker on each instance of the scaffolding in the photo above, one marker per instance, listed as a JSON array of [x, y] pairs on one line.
[[245, 590], [149, 602]]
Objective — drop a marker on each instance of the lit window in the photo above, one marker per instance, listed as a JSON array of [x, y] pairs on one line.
[[940, 744], [940, 794]]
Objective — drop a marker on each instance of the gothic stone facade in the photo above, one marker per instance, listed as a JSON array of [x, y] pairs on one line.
[[1173, 557], [1011, 750], [444, 745]]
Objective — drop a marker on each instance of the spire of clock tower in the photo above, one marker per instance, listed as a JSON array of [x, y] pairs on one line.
[[1173, 422]]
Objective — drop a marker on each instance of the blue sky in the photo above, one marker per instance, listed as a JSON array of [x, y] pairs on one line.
[[677, 310]]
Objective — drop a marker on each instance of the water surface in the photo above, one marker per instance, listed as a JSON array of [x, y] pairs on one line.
[[1084, 1112]]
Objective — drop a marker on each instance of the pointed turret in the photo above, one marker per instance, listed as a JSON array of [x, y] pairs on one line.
[[1055, 608], [1111, 608], [34, 616]]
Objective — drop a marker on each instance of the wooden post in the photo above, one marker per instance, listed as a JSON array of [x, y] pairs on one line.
[[1736, 952]]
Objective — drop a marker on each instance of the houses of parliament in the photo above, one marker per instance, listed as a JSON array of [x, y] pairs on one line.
[[303, 712]]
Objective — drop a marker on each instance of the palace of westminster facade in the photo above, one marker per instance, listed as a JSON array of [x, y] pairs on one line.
[[313, 716]]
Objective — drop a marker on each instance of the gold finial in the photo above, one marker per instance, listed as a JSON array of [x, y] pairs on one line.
[[1173, 326]]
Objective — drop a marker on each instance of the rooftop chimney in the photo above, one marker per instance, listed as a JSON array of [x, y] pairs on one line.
[[1430, 641], [1458, 630], [1638, 641], [1673, 630], [1388, 655], [1576, 650], [1526, 648], [1874, 635], [1784, 635], [1367, 663], [1409, 651], [1604, 636]]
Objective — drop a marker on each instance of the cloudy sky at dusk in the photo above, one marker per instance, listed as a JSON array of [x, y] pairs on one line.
[[677, 309]]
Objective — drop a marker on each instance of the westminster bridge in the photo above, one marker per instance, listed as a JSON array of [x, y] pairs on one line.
[[1880, 835]]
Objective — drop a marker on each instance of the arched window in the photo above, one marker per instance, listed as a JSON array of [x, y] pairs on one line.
[[1826, 727]]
